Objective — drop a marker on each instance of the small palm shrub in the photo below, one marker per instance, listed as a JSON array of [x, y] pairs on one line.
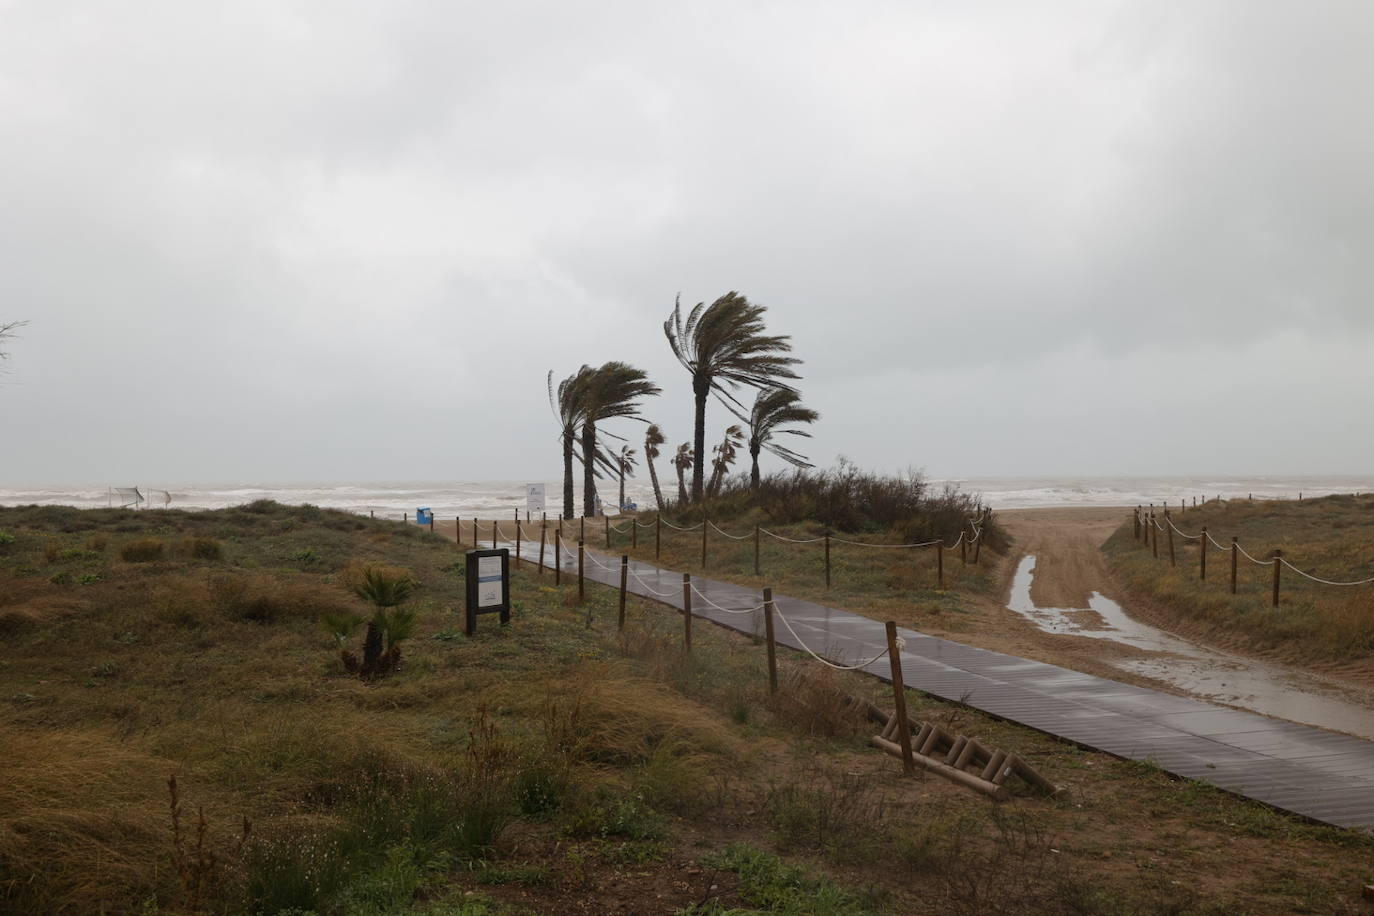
[[385, 587]]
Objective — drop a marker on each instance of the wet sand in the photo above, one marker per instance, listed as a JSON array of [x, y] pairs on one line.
[[1069, 611]]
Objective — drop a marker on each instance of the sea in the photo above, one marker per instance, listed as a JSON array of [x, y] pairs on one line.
[[501, 498]]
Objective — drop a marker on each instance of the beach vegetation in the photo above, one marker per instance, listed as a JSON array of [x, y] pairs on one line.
[[774, 410], [1330, 537], [143, 550], [613, 390], [545, 767], [653, 439], [724, 346]]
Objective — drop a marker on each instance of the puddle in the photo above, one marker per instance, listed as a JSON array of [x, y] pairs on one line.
[[1236, 681]]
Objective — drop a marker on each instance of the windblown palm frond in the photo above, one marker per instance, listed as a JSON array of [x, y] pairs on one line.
[[724, 346], [614, 390]]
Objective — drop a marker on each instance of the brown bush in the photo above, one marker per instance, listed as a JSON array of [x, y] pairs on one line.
[[200, 548], [263, 598], [143, 550], [811, 701]]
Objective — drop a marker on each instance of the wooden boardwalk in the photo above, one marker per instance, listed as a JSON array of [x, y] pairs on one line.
[[1316, 774]]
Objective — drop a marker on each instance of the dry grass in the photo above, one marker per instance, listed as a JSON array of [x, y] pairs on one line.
[[1331, 537]]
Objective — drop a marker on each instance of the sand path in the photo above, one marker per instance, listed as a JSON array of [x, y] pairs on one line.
[[1070, 577]]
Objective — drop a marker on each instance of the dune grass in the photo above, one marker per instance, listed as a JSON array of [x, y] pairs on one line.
[[1331, 537], [547, 767]]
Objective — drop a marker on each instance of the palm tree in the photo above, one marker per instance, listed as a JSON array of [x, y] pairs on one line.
[[724, 345], [626, 462], [682, 461], [725, 456], [614, 390], [569, 406], [653, 438], [775, 407], [7, 332]]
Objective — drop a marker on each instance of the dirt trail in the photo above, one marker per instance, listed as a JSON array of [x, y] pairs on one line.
[[1065, 542], [1069, 568]]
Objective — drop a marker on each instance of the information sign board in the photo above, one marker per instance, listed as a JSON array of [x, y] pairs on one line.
[[488, 586], [534, 498]]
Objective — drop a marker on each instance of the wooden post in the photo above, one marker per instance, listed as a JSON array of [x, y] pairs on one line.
[[658, 534], [772, 644], [493, 533], [607, 519], [827, 559], [1278, 556], [1169, 524], [431, 523], [558, 557], [371, 514], [543, 534], [624, 575], [940, 563], [458, 530], [1233, 563], [1154, 536], [476, 538], [894, 656], [1135, 524], [582, 529], [405, 517], [581, 581], [978, 545], [1202, 559], [517, 542], [704, 523], [756, 551], [687, 611]]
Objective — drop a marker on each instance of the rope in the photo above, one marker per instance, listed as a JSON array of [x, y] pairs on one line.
[[649, 587], [893, 546], [791, 540], [676, 528], [823, 661], [1246, 554], [733, 537], [1285, 562], [1186, 537], [727, 610]]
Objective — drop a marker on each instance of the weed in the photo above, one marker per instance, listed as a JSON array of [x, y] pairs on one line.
[[143, 550], [768, 883]]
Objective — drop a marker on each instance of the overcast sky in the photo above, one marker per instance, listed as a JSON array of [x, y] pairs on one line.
[[331, 241]]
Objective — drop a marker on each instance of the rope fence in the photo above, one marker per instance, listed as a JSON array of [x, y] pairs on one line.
[[551, 533], [1147, 527]]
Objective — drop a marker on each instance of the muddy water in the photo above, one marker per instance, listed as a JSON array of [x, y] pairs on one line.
[[1217, 676]]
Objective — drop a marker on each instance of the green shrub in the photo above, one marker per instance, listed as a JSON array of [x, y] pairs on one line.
[[143, 550]]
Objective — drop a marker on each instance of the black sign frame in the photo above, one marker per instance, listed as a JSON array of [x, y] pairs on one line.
[[473, 556]]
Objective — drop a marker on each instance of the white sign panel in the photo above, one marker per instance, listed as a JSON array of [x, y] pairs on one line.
[[534, 498], [488, 581]]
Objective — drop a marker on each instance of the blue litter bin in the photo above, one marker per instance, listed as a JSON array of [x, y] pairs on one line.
[[424, 516]]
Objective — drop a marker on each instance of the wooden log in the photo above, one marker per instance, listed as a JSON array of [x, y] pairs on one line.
[[1202, 555], [543, 533], [624, 577], [1278, 558], [991, 769], [1233, 564], [558, 556], [955, 749], [581, 574], [772, 643], [894, 655], [967, 780], [687, 611]]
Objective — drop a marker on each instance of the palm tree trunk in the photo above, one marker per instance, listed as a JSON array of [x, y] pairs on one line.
[[588, 468], [567, 473], [754, 471], [653, 477], [701, 387], [681, 487], [620, 506]]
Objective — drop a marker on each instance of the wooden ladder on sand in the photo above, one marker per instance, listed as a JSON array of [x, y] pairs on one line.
[[960, 759]]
